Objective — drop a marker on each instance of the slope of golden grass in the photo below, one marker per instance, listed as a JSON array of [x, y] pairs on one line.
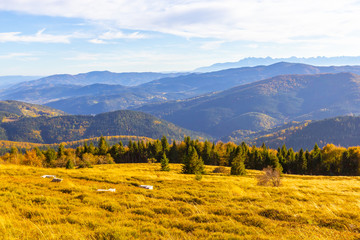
[[179, 207]]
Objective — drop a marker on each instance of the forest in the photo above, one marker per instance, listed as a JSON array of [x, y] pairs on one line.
[[193, 155]]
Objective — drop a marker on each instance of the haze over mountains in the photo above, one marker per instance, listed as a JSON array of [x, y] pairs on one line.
[[237, 103], [264, 104], [93, 99], [253, 61]]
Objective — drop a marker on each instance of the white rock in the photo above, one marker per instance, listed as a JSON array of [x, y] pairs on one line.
[[147, 187], [107, 190]]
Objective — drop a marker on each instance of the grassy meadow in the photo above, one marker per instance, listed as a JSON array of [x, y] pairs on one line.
[[180, 207]]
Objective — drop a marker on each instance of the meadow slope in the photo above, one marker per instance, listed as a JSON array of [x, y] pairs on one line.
[[179, 207]]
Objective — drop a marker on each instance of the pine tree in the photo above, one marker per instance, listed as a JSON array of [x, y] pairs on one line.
[[164, 163], [61, 151], [192, 163], [69, 164], [164, 145], [237, 165], [102, 146]]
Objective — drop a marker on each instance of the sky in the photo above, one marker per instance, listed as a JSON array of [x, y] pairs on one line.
[[44, 37]]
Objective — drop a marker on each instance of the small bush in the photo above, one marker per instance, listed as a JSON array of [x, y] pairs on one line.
[[270, 177], [221, 169], [198, 176], [151, 160]]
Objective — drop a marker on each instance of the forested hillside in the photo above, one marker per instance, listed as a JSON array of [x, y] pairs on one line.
[[11, 110], [343, 131], [71, 128], [265, 104]]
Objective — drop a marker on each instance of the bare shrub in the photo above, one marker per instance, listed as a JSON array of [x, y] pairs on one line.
[[221, 169], [271, 177]]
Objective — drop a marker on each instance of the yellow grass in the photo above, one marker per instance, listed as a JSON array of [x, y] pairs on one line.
[[179, 207]]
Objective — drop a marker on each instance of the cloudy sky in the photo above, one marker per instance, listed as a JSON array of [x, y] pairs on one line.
[[43, 37]]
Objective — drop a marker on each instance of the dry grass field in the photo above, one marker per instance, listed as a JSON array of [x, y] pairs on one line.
[[180, 207]]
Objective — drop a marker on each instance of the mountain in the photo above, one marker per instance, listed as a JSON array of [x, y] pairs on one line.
[[343, 131], [12, 110], [46, 93], [72, 128], [104, 77], [98, 103], [8, 81], [252, 61], [181, 87], [264, 104]]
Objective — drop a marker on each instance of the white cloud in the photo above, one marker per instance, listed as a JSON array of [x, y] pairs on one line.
[[279, 21], [120, 35], [40, 37], [114, 35], [97, 41]]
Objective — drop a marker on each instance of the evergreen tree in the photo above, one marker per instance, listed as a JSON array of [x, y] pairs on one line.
[[69, 164], [50, 157], [103, 146], [192, 163], [164, 163], [237, 165], [61, 151], [316, 161], [206, 153], [174, 153], [165, 145]]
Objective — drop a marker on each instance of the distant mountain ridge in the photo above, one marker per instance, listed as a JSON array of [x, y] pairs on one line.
[[180, 87], [253, 61], [267, 103], [104, 77]]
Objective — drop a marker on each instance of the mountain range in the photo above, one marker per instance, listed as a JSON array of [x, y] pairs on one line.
[[265, 104], [236, 104], [97, 98], [253, 61]]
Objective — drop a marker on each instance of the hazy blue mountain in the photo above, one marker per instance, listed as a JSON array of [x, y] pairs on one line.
[[101, 98], [46, 93], [253, 61], [104, 77], [264, 104], [8, 81], [200, 83]]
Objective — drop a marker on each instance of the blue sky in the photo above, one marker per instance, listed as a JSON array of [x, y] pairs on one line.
[[43, 37]]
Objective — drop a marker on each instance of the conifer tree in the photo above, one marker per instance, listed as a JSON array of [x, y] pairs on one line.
[[61, 151], [164, 163], [164, 144], [102, 146], [192, 163], [69, 164], [237, 165]]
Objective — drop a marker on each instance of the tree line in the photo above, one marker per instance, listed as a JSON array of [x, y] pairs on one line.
[[194, 154]]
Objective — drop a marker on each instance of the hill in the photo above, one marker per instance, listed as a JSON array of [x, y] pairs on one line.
[[104, 97], [72, 128], [179, 207], [12, 110], [343, 131], [269, 103], [104, 77], [8, 81], [253, 61]]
